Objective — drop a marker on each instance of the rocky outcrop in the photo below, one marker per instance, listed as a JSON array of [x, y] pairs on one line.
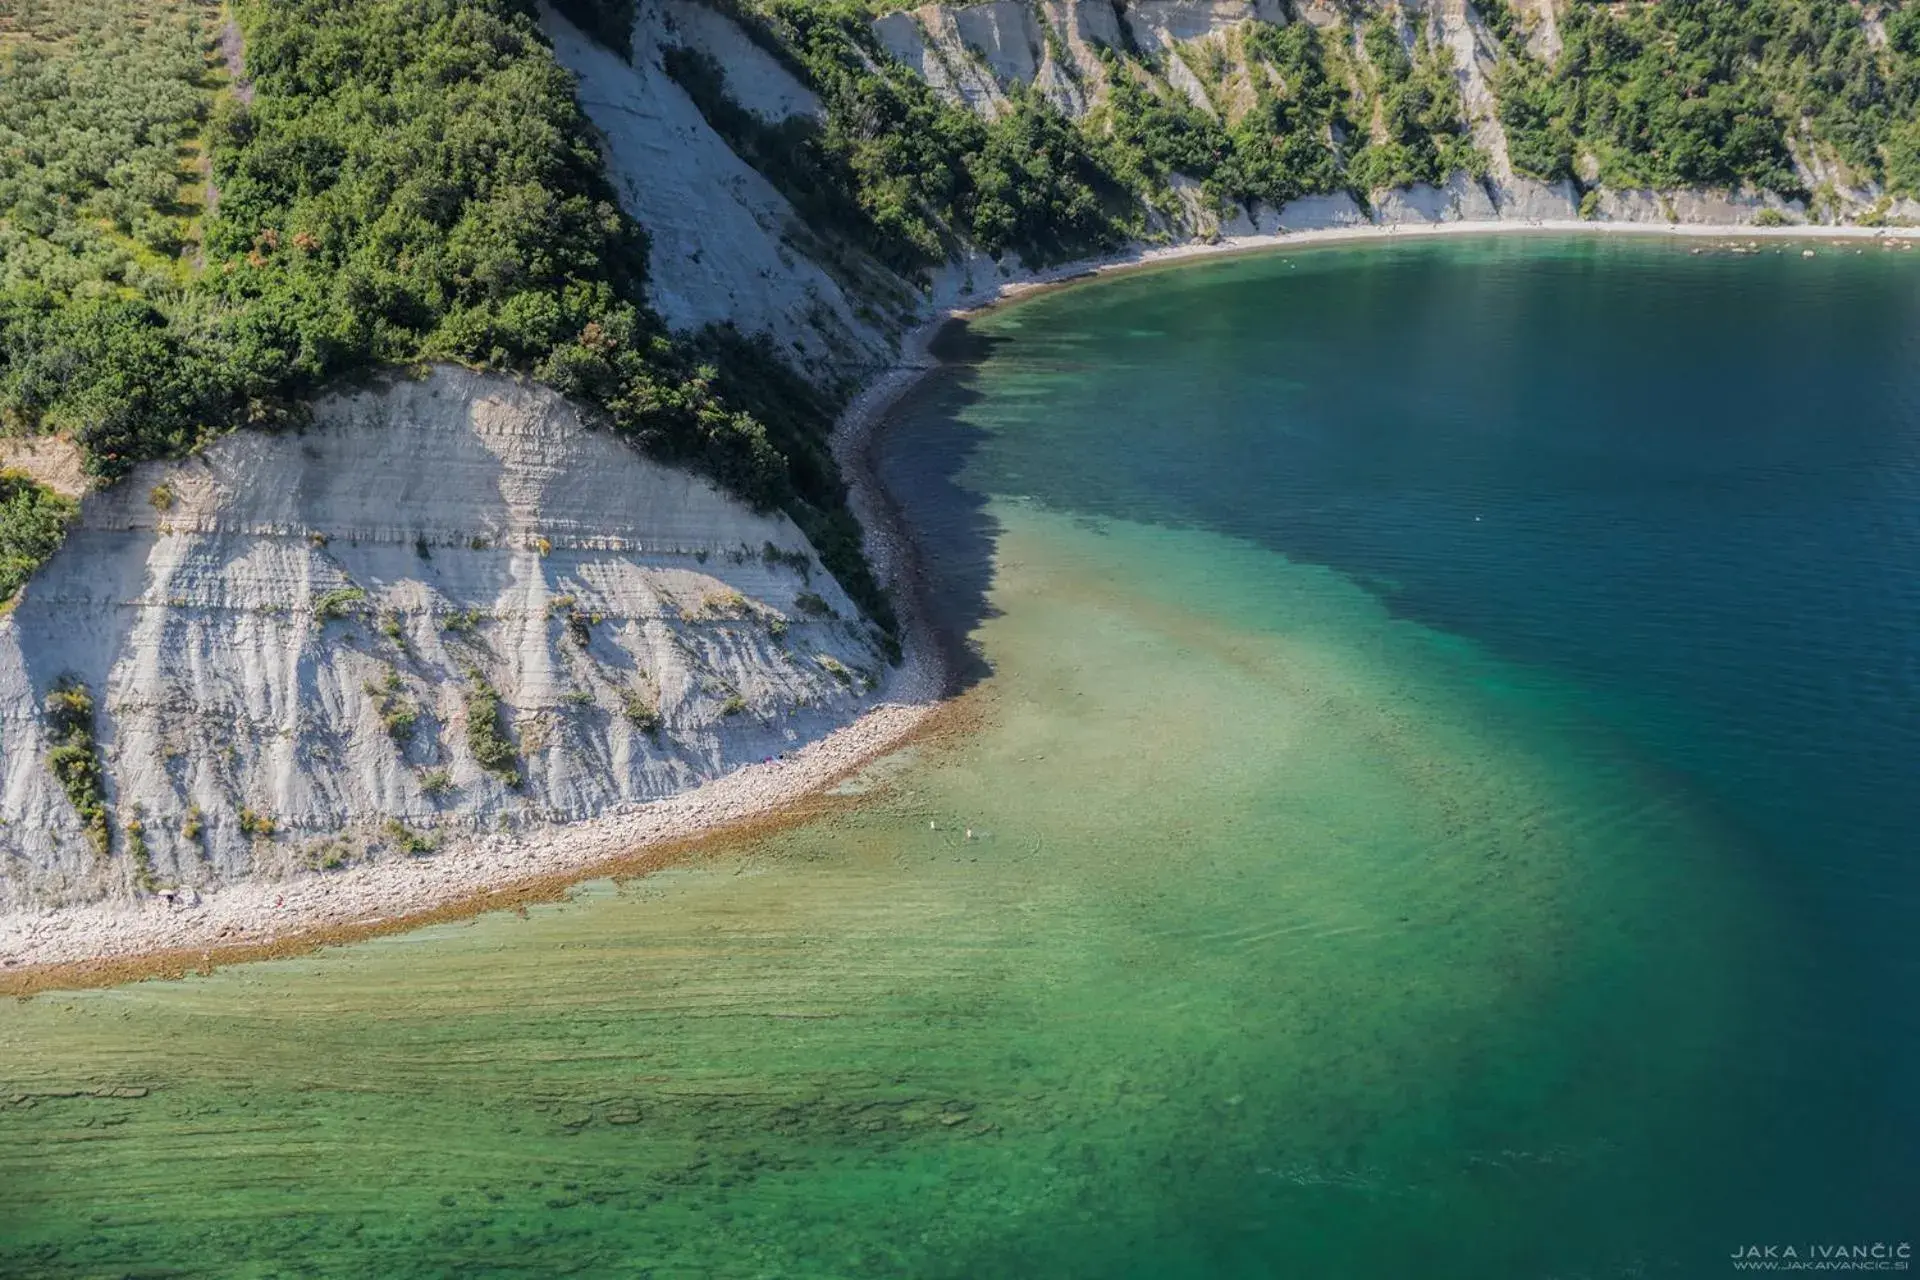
[[975, 54], [957, 67], [756, 79], [1162, 26], [298, 625], [724, 245], [450, 606], [53, 461], [1453, 25], [1543, 29]]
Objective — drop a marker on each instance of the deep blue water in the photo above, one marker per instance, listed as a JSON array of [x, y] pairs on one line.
[[1686, 483], [1443, 777]]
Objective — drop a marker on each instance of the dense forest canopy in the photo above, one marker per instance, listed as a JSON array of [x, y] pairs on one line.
[[1713, 92], [100, 121]]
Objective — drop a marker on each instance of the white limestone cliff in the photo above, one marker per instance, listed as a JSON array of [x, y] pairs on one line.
[[248, 644]]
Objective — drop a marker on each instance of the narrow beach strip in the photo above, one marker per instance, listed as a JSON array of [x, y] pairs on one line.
[[117, 941]]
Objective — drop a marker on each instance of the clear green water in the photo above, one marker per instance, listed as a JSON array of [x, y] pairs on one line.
[[1303, 932]]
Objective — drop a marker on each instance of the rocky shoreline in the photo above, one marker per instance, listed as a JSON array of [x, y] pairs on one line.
[[105, 941], [114, 941]]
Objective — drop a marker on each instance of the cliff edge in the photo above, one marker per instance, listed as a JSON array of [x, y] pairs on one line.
[[289, 644]]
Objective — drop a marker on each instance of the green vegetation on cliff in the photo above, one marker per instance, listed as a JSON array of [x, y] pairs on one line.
[[910, 177], [1422, 122], [1661, 96], [925, 174], [1283, 147], [33, 523], [1679, 94], [1710, 92], [406, 180], [101, 169], [74, 757], [491, 746]]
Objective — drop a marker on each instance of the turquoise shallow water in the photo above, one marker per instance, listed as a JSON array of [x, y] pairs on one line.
[[1437, 789]]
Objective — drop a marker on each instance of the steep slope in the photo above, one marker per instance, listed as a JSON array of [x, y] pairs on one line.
[[1214, 126], [300, 630], [722, 240], [415, 610], [449, 604]]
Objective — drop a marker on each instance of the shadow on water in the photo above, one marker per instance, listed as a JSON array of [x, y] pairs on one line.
[[920, 458], [1627, 477]]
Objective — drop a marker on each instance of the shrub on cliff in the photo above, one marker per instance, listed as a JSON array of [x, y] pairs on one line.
[[411, 179], [33, 524], [74, 757], [492, 749], [1420, 112], [927, 174]]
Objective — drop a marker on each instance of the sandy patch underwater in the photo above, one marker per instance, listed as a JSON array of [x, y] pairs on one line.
[[1270, 939], [1329, 909]]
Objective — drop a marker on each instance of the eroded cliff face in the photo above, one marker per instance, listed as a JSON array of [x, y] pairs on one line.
[[299, 633], [297, 625], [976, 54], [725, 246]]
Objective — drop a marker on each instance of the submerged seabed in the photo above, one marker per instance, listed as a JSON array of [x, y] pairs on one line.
[[1251, 929]]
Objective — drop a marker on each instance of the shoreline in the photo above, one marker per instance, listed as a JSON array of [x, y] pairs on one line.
[[1141, 257], [112, 942]]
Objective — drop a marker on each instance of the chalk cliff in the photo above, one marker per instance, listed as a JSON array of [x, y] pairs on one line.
[[287, 641], [301, 626]]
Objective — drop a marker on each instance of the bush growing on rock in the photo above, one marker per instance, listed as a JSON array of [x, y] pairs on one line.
[[135, 832], [33, 524], [492, 749], [75, 757], [813, 604], [408, 841], [409, 180], [798, 561], [337, 604], [642, 709], [398, 714], [465, 624]]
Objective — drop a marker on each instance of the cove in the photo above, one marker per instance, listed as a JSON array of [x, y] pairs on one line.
[[1430, 799]]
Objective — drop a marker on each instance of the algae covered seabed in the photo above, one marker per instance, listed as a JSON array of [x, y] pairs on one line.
[[1258, 921]]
